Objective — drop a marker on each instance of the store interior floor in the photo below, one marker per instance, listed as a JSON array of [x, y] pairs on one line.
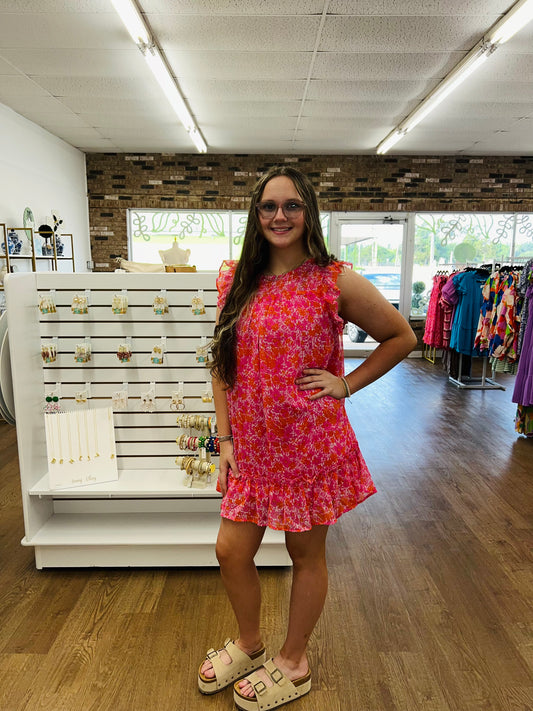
[[430, 604]]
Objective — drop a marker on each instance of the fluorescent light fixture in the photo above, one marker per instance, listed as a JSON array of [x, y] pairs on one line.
[[518, 16], [389, 141], [468, 65], [198, 140], [167, 83], [131, 17], [447, 85]]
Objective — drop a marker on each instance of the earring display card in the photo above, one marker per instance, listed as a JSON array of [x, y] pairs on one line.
[[81, 448]]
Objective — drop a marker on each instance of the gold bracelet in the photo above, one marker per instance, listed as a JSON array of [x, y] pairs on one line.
[[346, 386]]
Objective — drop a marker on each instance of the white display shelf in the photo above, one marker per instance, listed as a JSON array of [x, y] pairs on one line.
[[153, 483], [148, 517], [138, 539]]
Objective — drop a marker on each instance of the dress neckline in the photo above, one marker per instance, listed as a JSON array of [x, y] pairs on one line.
[[269, 275]]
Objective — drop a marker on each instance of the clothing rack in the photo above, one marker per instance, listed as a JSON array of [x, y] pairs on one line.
[[476, 383]]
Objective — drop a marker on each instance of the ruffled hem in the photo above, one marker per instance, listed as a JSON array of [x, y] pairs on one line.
[[286, 507], [306, 525]]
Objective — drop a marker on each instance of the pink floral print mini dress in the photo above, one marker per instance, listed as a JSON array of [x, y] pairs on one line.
[[299, 461]]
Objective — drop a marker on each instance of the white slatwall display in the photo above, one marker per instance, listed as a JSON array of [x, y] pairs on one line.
[[149, 517]]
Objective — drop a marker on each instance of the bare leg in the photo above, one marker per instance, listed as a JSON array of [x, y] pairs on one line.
[[237, 544], [308, 594]]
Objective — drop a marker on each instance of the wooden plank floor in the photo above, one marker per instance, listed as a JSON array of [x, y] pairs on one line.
[[430, 605]]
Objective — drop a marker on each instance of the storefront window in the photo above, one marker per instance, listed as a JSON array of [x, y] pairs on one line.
[[444, 242], [211, 236]]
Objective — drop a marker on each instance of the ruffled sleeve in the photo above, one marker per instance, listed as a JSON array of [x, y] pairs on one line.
[[225, 280], [332, 291], [336, 268]]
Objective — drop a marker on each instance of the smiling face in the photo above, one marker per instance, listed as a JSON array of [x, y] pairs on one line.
[[280, 231]]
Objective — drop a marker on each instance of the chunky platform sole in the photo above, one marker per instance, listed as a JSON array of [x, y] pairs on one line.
[[266, 697], [241, 665]]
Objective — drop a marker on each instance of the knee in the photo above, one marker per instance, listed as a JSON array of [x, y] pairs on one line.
[[306, 559], [229, 555], [222, 551], [304, 555]]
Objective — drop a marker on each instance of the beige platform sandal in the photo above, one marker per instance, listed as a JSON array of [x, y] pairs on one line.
[[225, 674], [282, 691]]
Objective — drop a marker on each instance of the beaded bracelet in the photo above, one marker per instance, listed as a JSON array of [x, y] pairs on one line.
[[346, 386]]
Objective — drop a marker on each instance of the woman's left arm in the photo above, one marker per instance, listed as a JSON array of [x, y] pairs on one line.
[[361, 303]]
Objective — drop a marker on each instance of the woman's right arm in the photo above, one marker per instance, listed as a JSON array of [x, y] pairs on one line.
[[227, 457]]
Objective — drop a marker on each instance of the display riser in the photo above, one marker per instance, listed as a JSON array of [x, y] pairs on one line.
[[139, 540]]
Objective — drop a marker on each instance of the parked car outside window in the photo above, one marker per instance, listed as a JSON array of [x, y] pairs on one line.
[[389, 285]]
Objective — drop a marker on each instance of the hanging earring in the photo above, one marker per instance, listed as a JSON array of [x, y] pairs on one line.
[[148, 401], [160, 304], [51, 405], [197, 304], [119, 400], [157, 355]]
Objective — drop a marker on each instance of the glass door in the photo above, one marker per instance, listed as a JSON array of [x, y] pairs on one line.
[[375, 245]]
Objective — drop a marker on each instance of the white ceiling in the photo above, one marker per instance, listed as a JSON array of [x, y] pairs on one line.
[[268, 76]]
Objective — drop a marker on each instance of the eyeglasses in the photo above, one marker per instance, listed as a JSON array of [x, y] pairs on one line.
[[291, 208]]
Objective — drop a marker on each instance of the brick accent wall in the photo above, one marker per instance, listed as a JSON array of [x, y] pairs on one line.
[[366, 183]]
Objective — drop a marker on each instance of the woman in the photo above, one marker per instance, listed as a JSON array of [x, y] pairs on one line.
[[289, 459]]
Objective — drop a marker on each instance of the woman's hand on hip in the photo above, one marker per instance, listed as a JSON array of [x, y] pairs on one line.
[[327, 383], [226, 463]]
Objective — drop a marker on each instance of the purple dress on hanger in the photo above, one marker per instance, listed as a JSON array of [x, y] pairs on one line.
[[523, 389]]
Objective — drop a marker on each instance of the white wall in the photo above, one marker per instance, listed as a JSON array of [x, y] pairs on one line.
[[42, 172]]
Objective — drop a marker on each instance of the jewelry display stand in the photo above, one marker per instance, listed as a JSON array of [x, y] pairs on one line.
[[148, 516]]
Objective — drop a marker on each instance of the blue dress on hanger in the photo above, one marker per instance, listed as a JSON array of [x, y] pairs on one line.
[[468, 285]]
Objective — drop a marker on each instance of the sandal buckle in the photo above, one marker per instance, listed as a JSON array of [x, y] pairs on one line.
[[276, 675], [260, 687]]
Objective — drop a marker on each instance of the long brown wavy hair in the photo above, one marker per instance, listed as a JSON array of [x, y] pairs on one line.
[[254, 261]]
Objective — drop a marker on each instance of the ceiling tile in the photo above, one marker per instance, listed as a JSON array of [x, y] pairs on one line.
[[232, 7], [242, 90], [235, 33], [507, 67], [384, 66], [252, 66], [6, 67], [54, 6], [113, 106], [63, 30], [18, 85], [205, 108], [105, 87], [435, 8], [396, 34], [353, 109], [79, 62], [365, 90]]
